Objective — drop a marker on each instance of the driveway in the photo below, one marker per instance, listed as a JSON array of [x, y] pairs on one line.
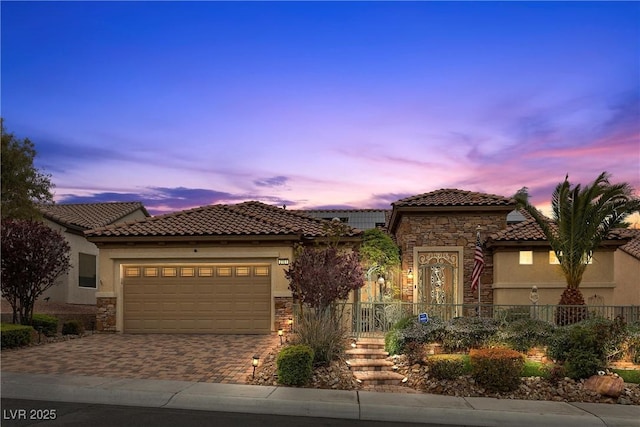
[[203, 358]]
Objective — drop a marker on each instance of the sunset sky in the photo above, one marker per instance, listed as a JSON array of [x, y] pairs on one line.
[[321, 104]]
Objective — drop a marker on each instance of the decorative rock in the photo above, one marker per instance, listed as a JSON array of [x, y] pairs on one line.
[[606, 385]]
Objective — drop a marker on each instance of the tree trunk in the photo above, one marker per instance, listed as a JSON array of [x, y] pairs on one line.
[[572, 307]]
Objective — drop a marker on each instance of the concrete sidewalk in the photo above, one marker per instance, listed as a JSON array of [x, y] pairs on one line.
[[420, 408]]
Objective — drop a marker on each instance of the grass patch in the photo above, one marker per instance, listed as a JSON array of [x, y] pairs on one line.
[[628, 375], [535, 369]]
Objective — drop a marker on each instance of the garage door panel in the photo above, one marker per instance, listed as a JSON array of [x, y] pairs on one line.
[[199, 304]]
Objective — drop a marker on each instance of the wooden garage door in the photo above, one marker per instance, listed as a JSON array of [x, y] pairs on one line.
[[221, 299]]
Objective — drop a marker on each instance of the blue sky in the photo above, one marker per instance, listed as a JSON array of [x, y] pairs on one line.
[[321, 104]]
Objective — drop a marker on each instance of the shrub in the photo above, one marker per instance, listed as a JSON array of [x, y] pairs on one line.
[[526, 333], [555, 373], [404, 323], [464, 333], [15, 335], [72, 327], [446, 367], [323, 332], [394, 342], [430, 332], [295, 364], [586, 347], [48, 325], [497, 369]]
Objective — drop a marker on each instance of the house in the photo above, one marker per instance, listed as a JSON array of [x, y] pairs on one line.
[[214, 269], [221, 268], [79, 285], [436, 233]]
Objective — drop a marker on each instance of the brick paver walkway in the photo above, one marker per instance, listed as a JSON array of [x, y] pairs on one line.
[[203, 358]]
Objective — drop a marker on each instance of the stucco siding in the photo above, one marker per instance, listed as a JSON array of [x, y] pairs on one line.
[[513, 282], [67, 287], [627, 275]]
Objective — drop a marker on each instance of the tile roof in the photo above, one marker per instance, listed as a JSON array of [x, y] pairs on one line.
[[86, 216], [633, 246], [530, 231], [454, 197], [243, 219]]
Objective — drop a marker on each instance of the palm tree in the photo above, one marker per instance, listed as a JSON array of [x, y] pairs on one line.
[[582, 219]]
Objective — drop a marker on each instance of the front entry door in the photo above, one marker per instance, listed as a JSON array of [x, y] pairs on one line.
[[437, 285]]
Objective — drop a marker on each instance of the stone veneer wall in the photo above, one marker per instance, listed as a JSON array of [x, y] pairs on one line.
[[284, 311], [106, 314], [450, 229]]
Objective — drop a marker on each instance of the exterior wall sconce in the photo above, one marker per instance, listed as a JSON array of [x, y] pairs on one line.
[[410, 274], [280, 334], [254, 363], [283, 261]]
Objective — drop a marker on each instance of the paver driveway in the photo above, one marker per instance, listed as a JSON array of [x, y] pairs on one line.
[[204, 358]]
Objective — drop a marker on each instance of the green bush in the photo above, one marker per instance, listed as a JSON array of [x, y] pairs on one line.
[[48, 325], [526, 333], [497, 369], [323, 333], [587, 346], [445, 367], [72, 327], [464, 333], [403, 323], [295, 365], [394, 342], [15, 335], [430, 332]]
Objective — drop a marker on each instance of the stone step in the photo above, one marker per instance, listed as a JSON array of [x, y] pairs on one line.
[[379, 377], [370, 365], [370, 343], [366, 353]]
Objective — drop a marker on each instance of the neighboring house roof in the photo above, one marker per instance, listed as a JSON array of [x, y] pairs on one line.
[[529, 232], [633, 246], [90, 215], [362, 219], [241, 220], [449, 200]]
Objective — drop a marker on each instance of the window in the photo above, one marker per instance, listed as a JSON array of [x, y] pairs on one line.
[[169, 271], [526, 257], [87, 277], [554, 260]]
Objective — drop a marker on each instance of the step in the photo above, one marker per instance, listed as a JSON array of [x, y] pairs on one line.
[[370, 343], [379, 377], [366, 353], [370, 365]]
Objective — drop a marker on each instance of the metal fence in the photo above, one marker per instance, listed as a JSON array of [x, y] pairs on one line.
[[375, 318]]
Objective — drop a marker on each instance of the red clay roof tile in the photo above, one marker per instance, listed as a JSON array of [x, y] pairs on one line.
[[454, 197], [243, 219], [86, 216]]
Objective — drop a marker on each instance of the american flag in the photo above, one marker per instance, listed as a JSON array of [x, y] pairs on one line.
[[478, 265]]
